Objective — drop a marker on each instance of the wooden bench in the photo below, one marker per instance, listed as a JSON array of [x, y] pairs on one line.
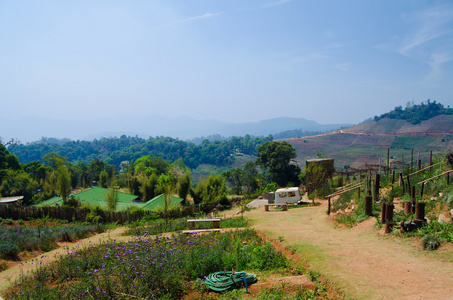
[[200, 230], [284, 206], [215, 223]]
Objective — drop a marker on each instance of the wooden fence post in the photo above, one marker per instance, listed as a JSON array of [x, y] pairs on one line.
[[412, 159], [388, 163], [377, 184], [408, 183], [328, 207], [402, 182]]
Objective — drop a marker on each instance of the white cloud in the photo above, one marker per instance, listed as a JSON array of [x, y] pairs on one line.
[[308, 58], [437, 60], [430, 24], [342, 66], [430, 40], [276, 3], [191, 19]]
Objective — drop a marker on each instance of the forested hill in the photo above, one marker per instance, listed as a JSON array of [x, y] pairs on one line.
[[126, 148], [415, 114]]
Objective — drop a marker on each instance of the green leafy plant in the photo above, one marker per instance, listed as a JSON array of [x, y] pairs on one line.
[[314, 276], [343, 201], [9, 250], [431, 242]]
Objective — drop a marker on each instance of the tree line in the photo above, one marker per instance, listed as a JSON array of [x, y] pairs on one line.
[[115, 150], [415, 114], [146, 177]]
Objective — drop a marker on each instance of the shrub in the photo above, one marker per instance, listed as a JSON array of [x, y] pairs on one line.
[[350, 220], [431, 242], [43, 237], [6, 221], [449, 157], [343, 202], [9, 251], [73, 202], [95, 215]]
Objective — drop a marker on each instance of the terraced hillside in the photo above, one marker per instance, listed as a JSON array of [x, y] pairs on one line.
[[367, 142]]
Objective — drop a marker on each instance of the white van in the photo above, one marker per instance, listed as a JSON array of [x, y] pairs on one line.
[[287, 195]]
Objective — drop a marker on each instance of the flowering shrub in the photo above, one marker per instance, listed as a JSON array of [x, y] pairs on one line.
[[148, 267], [43, 238], [161, 226]]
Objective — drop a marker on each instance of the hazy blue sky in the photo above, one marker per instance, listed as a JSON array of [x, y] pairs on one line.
[[336, 61]]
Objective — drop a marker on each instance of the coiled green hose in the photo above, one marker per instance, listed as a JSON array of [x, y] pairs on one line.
[[227, 280]]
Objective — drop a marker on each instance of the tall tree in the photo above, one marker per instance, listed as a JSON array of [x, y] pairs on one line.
[[55, 160], [278, 159], [148, 165], [150, 187], [210, 192], [103, 178], [18, 183], [8, 161], [112, 197], [167, 185], [235, 178], [184, 185], [64, 183], [250, 177]]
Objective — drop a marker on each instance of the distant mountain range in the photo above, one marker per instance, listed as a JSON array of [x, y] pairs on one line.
[[185, 128]]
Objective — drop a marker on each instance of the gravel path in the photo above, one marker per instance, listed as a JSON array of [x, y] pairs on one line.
[[257, 203]]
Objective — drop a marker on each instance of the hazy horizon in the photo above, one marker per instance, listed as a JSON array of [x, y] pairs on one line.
[[33, 129]]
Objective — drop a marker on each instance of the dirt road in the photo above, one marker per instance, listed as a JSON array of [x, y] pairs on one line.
[[360, 261]]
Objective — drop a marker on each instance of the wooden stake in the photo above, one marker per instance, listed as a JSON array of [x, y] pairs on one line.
[[419, 161], [388, 162], [408, 184], [402, 160], [237, 258], [377, 184], [402, 182], [412, 159], [379, 165]]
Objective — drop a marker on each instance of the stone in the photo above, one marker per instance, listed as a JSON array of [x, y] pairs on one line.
[[444, 219]]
